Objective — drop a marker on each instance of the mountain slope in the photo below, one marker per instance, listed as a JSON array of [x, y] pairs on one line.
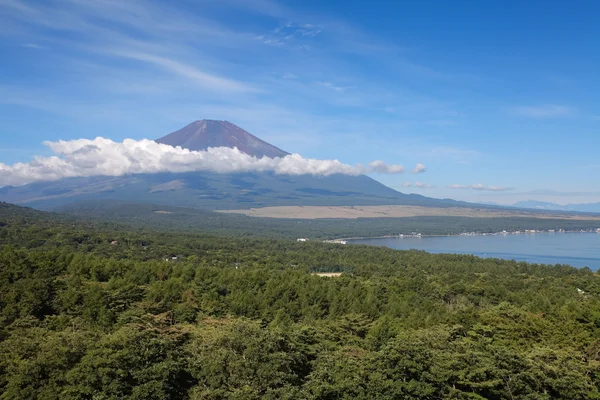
[[208, 190], [200, 135]]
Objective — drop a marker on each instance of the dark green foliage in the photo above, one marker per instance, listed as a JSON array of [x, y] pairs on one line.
[[93, 310], [187, 219]]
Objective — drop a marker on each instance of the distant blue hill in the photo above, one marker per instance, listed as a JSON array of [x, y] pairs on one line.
[[542, 205]]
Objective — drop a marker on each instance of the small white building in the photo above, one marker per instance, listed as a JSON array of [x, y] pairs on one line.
[[302, 240]]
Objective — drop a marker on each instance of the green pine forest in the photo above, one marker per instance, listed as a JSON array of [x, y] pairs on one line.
[[179, 219], [91, 309]]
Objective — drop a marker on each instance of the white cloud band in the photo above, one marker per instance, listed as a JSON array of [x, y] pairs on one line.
[[103, 157]]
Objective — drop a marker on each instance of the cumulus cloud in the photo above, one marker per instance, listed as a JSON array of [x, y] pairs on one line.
[[381, 167], [419, 185], [420, 168], [104, 157], [422, 185], [479, 186]]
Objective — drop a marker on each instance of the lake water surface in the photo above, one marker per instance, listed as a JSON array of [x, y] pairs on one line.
[[576, 249]]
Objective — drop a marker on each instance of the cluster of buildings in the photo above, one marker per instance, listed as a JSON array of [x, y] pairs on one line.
[[336, 241], [530, 231]]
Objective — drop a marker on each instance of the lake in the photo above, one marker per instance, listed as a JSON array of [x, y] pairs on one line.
[[576, 249]]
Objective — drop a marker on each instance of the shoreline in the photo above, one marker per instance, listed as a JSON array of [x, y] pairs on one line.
[[407, 236], [576, 256]]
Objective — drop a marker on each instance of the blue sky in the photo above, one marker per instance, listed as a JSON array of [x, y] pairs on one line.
[[505, 94]]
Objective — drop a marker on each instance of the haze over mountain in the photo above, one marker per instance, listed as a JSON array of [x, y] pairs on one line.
[[205, 133], [543, 205], [214, 190]]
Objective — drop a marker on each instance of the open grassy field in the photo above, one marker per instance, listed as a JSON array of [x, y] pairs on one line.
[[353, 212]]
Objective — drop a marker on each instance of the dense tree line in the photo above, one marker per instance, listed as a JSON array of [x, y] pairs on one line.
[[91, 310], [181, 219]]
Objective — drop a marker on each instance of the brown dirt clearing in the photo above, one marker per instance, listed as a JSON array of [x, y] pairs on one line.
[[349, 212]]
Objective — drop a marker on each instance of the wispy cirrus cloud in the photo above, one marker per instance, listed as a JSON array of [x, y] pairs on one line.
[[270, 40], [479, 186], [290, 34], [34, 46], [329, 85], [544, 111], [190, 72], [291, 30]]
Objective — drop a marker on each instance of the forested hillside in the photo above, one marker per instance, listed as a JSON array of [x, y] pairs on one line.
[[97, 310], [180, 219]]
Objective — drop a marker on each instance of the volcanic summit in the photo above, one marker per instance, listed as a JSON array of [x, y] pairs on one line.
[[202, 134]]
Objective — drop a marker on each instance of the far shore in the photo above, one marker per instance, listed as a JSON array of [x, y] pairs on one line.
[[409, 236]]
